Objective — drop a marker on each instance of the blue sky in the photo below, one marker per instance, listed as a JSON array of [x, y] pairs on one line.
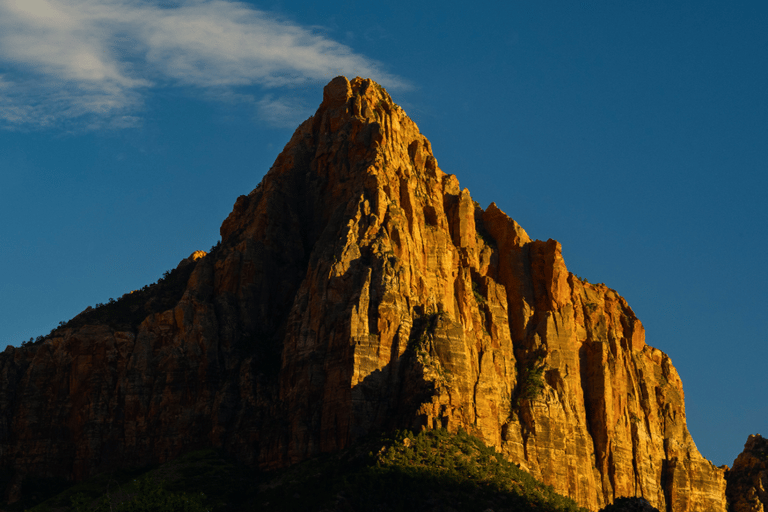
[[635, 133]]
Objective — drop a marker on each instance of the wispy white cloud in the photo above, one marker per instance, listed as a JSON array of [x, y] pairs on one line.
[[95, 60], [282, 112]]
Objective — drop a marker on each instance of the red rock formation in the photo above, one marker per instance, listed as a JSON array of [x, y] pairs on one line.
[[747, 488], [357, 288]]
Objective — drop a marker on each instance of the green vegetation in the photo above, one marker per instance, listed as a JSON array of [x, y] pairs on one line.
[[408, 472], [476, 292], [531, 382], [382, 106], [55, 493], [423, 328], [483, 233], [201, 480], [383, 92], [396, 472], [486, 237], [148, 495]]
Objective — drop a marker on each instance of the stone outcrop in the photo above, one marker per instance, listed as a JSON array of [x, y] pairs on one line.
[[747, 487], [359, 288]]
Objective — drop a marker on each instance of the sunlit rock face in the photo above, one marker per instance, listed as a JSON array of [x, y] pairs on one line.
[[359, 288], [747, 488]]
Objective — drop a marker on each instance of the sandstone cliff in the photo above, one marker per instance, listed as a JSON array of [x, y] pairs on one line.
[[359, 288], [747, 488]]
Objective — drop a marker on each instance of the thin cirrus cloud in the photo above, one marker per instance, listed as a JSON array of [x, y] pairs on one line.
[[93, 62], [281, 112]]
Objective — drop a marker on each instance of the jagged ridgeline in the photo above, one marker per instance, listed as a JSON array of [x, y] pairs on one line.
[[127, 312], [358, 289]]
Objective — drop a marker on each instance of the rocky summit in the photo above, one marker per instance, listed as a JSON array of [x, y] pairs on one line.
[[359, 288], [747, 488]]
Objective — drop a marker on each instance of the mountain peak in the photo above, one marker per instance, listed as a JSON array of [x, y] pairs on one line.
[[337, 92], [359, 288]]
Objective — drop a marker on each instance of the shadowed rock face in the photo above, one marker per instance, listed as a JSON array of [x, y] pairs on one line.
[[747, 488], [630, 505], [359, 288]]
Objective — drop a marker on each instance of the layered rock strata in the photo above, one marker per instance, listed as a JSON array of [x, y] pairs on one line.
[[747, 487], [359, 288]]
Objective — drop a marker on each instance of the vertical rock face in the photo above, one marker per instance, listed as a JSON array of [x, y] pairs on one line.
[[359, 288], [747, 488]]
